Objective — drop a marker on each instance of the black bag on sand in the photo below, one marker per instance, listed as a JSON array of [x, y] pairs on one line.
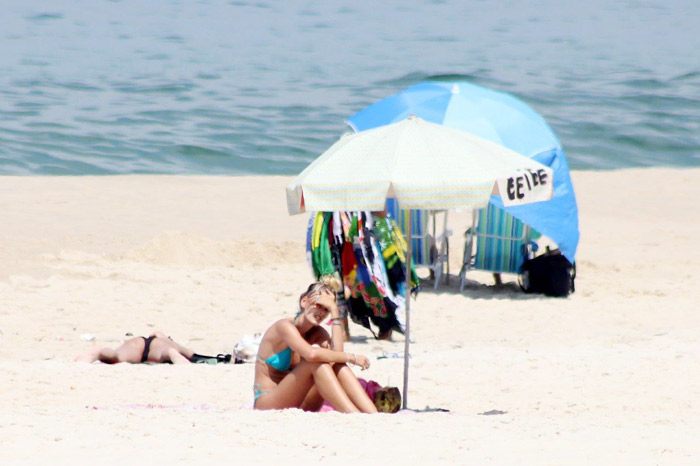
[[550, 274], [218, 359]]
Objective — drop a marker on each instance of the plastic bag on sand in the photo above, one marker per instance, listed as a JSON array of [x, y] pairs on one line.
[[247, 349]]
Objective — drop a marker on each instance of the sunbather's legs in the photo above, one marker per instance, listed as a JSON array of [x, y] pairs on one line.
[[90, 355], [166, 350], [313, 400], [108, 356], [353, 388], [130, 351], [331, 390], [174, 356], [185, 352], [292, 391]]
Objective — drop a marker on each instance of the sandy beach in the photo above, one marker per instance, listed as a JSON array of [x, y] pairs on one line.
[[610, 375]]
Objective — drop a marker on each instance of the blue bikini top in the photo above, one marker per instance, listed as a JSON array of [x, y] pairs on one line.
[[280, 361]]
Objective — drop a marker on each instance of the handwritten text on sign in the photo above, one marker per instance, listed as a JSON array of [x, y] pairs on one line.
[[528, 186]]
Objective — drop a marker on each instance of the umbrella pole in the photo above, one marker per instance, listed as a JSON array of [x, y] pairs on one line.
[[407, 335]]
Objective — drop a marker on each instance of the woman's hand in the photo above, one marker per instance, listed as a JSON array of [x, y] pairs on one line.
[[361, 361], [326, 298]]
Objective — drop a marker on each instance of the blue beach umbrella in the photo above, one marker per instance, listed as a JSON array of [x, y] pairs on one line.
[[500, 118]]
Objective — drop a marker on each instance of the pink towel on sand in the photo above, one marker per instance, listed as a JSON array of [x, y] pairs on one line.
[[370, 387]]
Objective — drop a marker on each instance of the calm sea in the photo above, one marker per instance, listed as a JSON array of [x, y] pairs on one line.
[[238, 87]]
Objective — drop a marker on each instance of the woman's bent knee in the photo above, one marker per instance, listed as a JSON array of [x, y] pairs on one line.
[[337, 367], [313, 366]]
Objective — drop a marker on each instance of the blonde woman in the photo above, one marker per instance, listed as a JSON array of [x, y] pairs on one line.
[[299, 365]]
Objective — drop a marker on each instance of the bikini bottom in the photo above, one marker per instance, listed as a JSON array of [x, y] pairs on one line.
[[257, 392], [146, 348]]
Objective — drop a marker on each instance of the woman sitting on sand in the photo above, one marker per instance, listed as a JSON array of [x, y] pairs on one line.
[[299, 365], [155, 348]]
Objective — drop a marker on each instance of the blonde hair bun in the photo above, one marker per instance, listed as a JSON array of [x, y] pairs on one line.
[[332, 282]]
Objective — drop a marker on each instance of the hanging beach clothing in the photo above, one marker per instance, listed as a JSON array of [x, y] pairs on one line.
[[353, 247], [393, 246]]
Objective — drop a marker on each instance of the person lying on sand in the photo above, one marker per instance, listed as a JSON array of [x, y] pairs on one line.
[[155, 348], [299, 365]]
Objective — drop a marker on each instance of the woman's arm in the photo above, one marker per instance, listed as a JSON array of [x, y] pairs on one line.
[[291, 337], [337, 334]]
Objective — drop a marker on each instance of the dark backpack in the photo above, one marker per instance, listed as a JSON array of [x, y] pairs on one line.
[[550, 274], [218, 359]]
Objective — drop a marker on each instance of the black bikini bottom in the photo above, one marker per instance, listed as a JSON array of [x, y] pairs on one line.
[[146, 348]]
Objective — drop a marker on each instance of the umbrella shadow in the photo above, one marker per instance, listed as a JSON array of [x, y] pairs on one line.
[[477, 290], [362, 339], [427, 409]]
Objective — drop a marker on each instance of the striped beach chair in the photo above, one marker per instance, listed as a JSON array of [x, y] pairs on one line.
[[429, 248], [496, 242]]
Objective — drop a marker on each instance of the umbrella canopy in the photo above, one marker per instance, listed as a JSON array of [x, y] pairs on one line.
[[500, 118], [423, 165]]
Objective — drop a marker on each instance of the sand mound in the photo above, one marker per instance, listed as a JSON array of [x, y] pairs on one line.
[[178, 248]]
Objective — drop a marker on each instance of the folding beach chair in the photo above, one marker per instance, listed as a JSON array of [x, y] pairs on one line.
[[497, 242], [429, 248]]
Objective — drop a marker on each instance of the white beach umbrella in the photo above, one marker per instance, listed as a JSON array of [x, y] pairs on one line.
[[423, 165]]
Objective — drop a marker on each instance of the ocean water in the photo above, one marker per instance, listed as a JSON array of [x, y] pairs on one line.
[[263, 87]]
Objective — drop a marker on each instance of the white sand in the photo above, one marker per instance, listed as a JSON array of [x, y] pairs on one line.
[[610, 375]]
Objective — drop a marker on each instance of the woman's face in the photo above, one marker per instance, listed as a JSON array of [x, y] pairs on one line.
[[314, 310]]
